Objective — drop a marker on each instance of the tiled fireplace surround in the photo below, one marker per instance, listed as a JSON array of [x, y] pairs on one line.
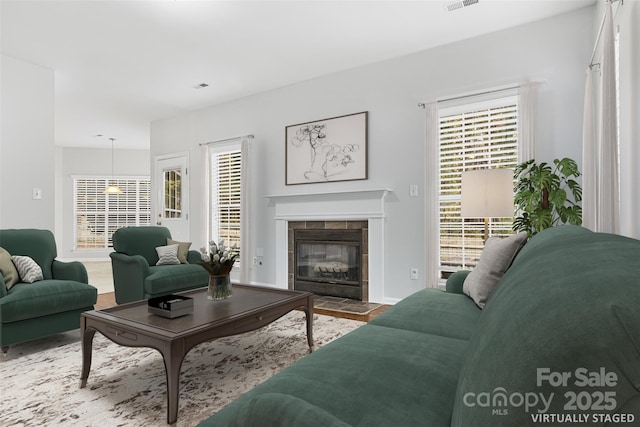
[[331, 225], [355, 207]]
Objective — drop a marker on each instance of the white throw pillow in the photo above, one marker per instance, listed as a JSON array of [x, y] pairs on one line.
[[495, 260], [167, 255], [28, 270]]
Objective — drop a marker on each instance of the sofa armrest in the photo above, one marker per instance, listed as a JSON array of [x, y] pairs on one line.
[[129, 272], [193, 257], [456, 281], [73, 270]]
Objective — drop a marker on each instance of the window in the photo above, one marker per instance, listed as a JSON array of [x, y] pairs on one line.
[[472, 136], [173, 193], [98, 215], [226, 168]]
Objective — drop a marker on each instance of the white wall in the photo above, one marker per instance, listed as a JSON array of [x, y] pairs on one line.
[[27, 146], [555, 51], [92, 162]]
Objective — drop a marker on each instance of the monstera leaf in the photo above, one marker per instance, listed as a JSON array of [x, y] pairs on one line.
[[547, 195]]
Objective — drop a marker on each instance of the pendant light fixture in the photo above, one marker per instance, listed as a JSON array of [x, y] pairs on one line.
[[112, 188]]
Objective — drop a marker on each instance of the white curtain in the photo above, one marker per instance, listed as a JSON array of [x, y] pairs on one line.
[[528, 104], [432, 208], [589, 159], [245, 218], [608, 187], [205, 191], [600, 180]]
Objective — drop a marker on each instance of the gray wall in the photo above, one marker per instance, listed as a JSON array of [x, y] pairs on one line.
[[27, 146], [555, 51]]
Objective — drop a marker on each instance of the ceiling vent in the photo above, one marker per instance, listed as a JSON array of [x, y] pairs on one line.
[[201, 86], [450, 7]]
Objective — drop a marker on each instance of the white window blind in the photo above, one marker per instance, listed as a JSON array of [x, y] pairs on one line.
[[472, 136], [226, 168], [98, 215]]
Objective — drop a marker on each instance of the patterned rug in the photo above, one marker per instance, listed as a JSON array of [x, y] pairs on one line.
[[127, 387]]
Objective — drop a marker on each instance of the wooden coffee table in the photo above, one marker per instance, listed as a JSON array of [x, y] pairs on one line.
[[131, 325]]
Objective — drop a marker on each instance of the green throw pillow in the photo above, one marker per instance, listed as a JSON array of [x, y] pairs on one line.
[[183, 249], [7, 269], [496, 258]]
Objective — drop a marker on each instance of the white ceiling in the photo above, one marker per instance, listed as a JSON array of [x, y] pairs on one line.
[[120, 65]]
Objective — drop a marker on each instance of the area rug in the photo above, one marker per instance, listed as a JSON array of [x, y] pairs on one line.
[[127, 386]]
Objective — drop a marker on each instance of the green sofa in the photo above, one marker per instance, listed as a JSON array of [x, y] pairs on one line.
[[135, 273], [35, 310], [568, 308]]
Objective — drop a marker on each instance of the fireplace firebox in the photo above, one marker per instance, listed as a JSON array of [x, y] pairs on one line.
[[329, 262]]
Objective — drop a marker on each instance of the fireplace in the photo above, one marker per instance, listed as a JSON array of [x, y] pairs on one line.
[[329, 258], [342, 209]]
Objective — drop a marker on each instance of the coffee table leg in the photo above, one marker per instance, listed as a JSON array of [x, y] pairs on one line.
[[173, 357], [308, 311], [87, 348]]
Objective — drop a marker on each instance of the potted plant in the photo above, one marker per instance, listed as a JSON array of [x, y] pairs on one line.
[[547, 195]]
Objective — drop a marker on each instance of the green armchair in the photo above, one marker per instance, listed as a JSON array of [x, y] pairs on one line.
[[135, 273], [44, 307]]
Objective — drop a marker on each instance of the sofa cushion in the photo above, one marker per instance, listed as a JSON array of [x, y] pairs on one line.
[[8, 269], [373, 376], [496, 258], [165, 279], [183, 249], [167, 255], [456, 314], [28, 270], [282, 410], [570, 302], [26, 301]]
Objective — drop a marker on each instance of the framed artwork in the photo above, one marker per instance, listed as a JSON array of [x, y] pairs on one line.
[[327, 150]]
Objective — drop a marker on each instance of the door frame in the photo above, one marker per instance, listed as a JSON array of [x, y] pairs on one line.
[[183, 233]]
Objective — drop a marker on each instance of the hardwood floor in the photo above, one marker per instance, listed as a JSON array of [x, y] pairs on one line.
[[107, 300]]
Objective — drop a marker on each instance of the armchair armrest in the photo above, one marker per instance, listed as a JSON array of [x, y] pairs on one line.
[[456, 281], [193, 257], [3, 287], [73, 270], [129, 273]]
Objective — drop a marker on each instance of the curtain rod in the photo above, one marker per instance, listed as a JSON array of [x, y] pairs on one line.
[[595, 46], [486, 92], [249, 135]]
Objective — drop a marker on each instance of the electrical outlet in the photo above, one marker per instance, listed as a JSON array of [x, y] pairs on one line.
[[413, 190], [414, 274]]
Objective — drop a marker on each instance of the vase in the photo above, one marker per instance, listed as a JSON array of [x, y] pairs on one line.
[[219, 287]]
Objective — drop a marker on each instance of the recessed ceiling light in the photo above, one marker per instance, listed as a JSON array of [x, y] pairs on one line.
[[201, 86]]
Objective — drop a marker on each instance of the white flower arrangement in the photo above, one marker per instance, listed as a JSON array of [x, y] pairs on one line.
[[218, 260]]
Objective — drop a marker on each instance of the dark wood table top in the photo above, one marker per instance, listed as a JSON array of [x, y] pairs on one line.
[[247, 300]]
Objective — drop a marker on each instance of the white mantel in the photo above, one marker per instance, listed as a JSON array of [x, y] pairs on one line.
[[346, 206]]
